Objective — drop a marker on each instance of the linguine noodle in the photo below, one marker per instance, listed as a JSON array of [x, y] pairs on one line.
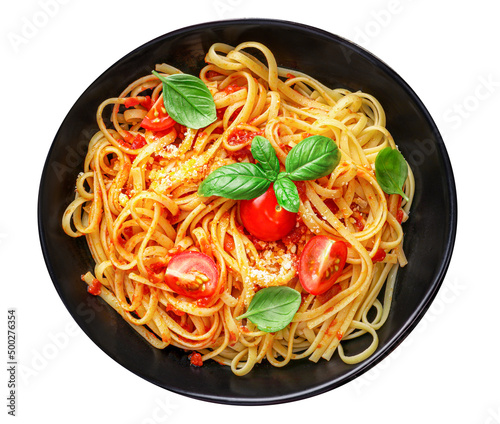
[[137, 205]]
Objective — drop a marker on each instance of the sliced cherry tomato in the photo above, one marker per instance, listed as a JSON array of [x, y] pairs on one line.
[[265, 219], [192, 274], [321, 264], [157, 118]]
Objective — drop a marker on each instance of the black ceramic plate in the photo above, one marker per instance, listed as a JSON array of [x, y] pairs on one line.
[[430, 233]]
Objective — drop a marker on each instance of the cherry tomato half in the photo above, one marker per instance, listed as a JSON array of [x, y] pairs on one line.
[[321, 264], [192, 274], [265, 219], [157, 119]]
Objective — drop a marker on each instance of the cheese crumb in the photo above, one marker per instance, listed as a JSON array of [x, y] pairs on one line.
[[123, 199], [271, 268]]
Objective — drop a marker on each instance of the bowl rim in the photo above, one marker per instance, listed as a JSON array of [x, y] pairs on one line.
[[402, 332]]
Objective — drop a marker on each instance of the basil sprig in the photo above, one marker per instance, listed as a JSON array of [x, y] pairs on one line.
[[391, 171], [314, 157], [187, 100], [273, 308]]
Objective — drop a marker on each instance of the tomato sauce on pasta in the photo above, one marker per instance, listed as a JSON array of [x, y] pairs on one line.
[[182, 268]]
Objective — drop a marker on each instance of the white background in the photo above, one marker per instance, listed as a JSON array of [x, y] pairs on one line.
[[447, 370]]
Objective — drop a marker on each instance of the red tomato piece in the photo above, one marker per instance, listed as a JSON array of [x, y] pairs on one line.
[[157, 119], [131, 102], [231, 88], [95, 287], [213, 74], [134, 101], [265, 219], [239, 137], [358, 221], [241, 154], [138, 142], [321, 264], [192, 274], [400, 215], [379, 255], [228, 243], [195, 359]]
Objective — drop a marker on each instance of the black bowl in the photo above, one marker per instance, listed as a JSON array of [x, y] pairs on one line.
[[430, 233]]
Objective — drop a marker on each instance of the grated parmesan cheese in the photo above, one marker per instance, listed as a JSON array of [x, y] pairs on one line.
[[271, 268], [123, 199]]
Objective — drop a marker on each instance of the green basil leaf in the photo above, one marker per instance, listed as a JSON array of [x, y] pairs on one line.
[[273, 308], [314, 157], [187, 100], [237, 181], [287, 194], [391, 171], [263, 152]]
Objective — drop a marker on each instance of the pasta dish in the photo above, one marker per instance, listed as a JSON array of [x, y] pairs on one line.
[[247, 214]]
